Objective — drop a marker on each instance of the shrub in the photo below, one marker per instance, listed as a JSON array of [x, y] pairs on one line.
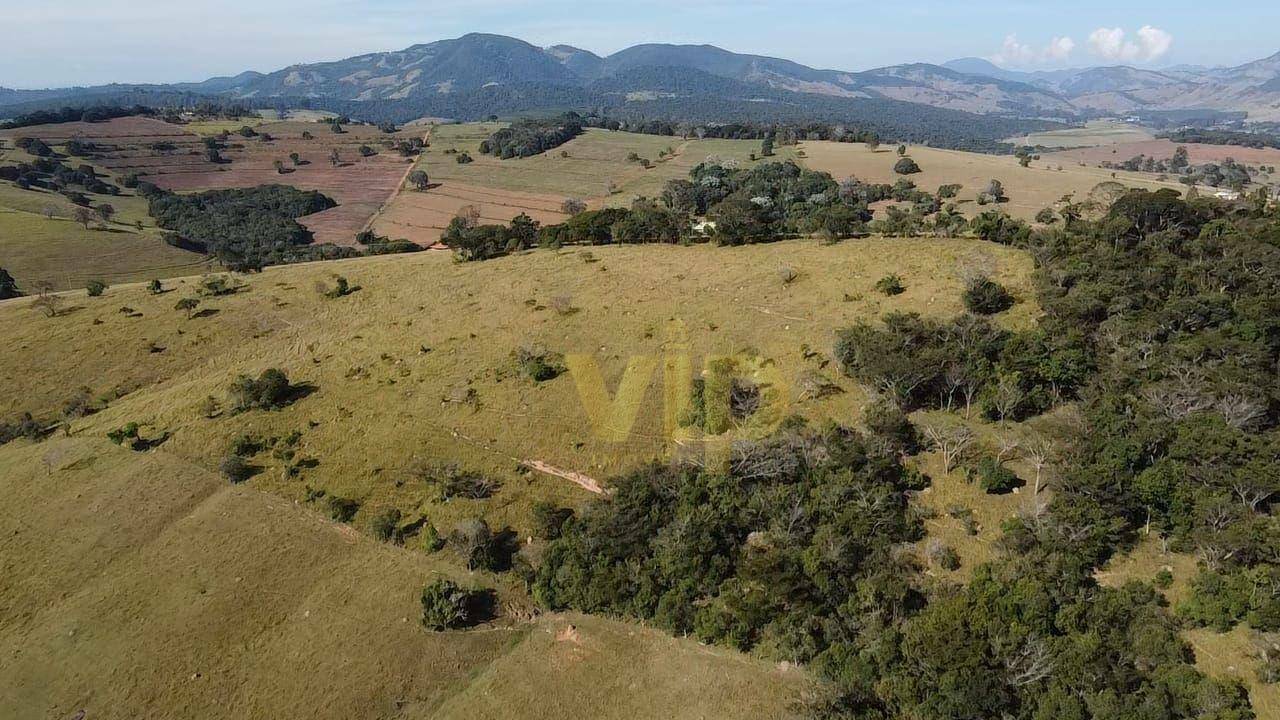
[[385, 526], [890, 285], [994, 477], [944, 556], [906, 166], [236, 469], [474, 543], [987, 297], [343, 509], [95, 288], [538, 364], [270, 391], [446, 606], [886, 419], [127, 434], [8, 286], [155, 287], [452, 482], [549, 520]]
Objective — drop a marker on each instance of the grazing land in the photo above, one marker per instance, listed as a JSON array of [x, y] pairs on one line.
[[40, 242], [1029, 189], [366, 352], [1093, 134], [1197, 153], [230, 603], [592, 166]]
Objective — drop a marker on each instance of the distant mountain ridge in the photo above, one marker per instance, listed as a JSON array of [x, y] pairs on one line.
[[1253, 87], [454, 75]]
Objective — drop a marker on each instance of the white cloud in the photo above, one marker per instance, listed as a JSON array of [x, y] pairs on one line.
[[1017, 53], [1112, 44]]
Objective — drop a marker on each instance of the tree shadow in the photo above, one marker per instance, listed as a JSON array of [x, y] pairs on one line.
[[207, 312], [482, 606], [297, 392]]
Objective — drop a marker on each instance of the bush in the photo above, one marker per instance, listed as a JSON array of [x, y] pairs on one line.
[[236, 469], [906, 166], [386, 525], [342, 509], [886, 419], [944, 556], [987, 297], [270, 391], [452, 482], [95, 288], [446, 606], [538, 364], [891, 285], [994, 477], [549, 520]]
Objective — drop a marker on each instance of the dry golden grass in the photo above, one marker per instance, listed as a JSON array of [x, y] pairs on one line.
[[595, 160], [141, 584], [424, 330], [1029, 189]]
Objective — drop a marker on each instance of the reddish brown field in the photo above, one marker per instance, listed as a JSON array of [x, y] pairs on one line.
[[1161, 149], [360, 185], [422, 216]]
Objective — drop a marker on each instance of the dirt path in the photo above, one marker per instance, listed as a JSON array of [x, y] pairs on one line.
[[582, 481], [404, 179]]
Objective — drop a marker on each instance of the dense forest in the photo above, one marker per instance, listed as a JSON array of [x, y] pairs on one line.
[[531, 136], [245, 228], [1223, 137], [671, 95], [1161, 323]]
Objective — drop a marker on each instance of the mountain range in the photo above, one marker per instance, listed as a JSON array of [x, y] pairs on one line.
[[480, 74]]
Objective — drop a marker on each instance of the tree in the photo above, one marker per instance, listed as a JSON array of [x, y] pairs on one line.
[[95, 288], [187, 305], [950, 441], [572, 206], [766, 147], [84, 216], [295, 158], [279, 166], [8, 287], [994, 192], [902, 151], [47, 301], [986, 296], [155, 287], [906, 166], [419, 180], [446, 606], [334, 157]]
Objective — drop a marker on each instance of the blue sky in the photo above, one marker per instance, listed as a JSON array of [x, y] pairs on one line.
[[64, 42]]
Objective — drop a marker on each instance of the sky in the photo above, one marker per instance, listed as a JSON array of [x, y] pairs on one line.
[[56, 43]]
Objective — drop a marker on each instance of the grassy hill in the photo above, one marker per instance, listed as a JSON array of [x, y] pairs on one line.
[[229, 603]]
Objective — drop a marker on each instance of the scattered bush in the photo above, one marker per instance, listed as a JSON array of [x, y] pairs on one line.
[[891, 285], [539, 364], [236, 469], [987, 297], [343, 510], [994, 477], [270, 391], [906, 166], [446, 606]]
